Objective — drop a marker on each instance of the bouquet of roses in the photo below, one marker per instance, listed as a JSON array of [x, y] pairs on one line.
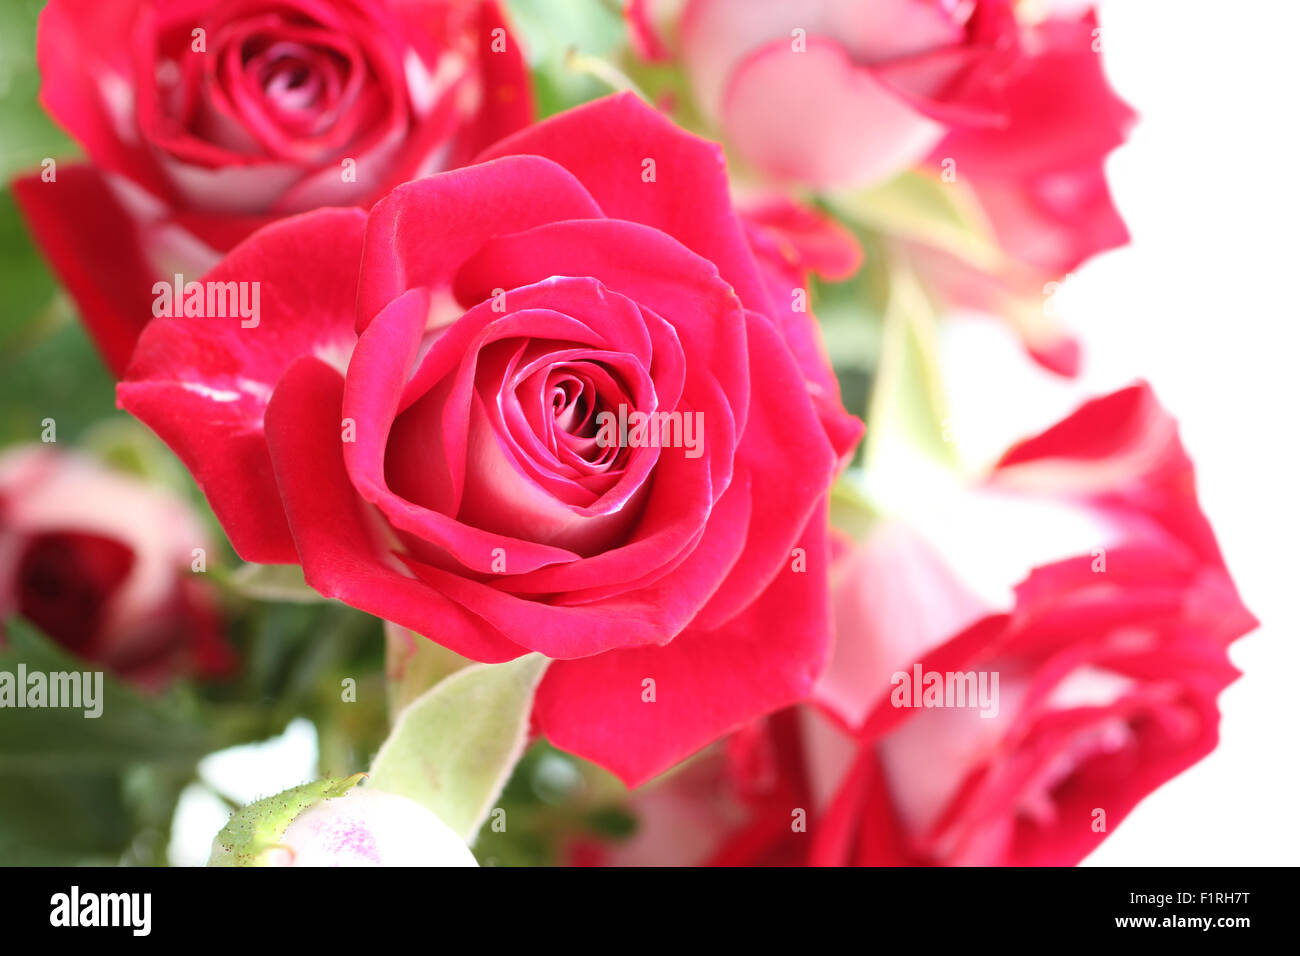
[[552, 412]]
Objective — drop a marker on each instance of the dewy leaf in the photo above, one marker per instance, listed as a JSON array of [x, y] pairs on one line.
[[257, 828], [453, 748], [274, 582]]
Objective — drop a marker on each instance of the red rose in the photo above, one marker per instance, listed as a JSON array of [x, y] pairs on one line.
[[207, 119], [102, 564], [1109, 656], [420, 418]]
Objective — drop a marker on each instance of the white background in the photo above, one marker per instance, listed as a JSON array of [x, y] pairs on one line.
[[1203, 305]]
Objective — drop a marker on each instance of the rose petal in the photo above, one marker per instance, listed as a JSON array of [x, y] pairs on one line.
[[705, 682], [341, 557], [202, 384]]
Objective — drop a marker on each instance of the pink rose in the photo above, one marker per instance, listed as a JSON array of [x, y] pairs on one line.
[[207, 119], [835, 92], [1108, 655], [1075, 689], [1010, 105], [101, 563], [422, 418]]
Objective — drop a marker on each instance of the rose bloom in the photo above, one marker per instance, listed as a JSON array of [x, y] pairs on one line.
[[846, 92], [1007, 102], [1110, 653], [420, 420], [101, 563], [204, 120]]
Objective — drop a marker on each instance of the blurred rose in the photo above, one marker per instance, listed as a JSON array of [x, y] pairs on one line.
[[1039, 181], [1038, 174], [1109, 653], [737, 803], [682, 818], [369, 828], [206, 119], [835, 92], [1007, 103], [101, 563]]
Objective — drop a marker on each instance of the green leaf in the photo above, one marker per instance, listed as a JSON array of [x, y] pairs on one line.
[[549, 30], [453, 748], [27, 135], [130, 727], [552, 34], [88, 790], [28, 286], [906, 420], [61, 378], [63, 820]]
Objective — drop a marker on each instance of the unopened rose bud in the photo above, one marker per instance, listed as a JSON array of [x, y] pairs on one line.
[[328, 823], [370, 828]]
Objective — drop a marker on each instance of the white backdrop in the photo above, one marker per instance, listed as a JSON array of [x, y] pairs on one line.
[[1202, 305]]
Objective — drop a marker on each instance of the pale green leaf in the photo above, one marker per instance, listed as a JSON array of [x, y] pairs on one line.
[[908, 412], [453, 748]]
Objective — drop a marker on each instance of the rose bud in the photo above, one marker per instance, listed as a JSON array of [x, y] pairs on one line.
[[333, 823], [204, 121], [101, 563]]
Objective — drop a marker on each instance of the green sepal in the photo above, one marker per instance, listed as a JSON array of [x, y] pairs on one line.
[[255, 830]]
